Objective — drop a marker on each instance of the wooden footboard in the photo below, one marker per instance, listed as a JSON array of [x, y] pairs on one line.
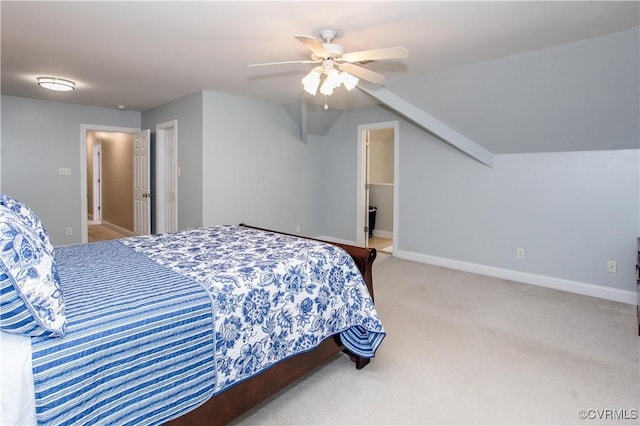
[[231, 403]]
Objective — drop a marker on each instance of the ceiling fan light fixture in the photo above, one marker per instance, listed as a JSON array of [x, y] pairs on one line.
[[334, 79], [57, 84], [349, 81], [311, 82], [326, 88]]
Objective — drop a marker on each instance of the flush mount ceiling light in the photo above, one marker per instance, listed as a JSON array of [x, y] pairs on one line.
[[57, 84]]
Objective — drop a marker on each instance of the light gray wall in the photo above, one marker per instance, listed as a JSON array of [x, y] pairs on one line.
[[570, 211], [337, 154], [256, 169], [188, 113], [38, 137], [564, 98]]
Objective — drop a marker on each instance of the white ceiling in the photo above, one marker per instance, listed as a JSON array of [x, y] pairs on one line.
[[145, 54]]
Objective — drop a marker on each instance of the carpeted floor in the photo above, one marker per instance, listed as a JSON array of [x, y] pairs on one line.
[[467, 349], [102, 233]]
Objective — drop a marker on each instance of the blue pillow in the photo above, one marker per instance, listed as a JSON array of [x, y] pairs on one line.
[[28, 216], [31, 301]]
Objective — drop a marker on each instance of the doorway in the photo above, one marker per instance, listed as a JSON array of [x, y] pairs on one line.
[[165, 164], [109, 185], [378, 149], [85, 139]]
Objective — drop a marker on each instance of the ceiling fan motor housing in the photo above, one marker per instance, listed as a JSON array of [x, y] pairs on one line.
[[334, 49]]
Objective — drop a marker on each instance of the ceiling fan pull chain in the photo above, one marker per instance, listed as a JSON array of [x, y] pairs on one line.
[[325, 102]]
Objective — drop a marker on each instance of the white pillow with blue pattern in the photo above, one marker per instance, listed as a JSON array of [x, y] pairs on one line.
[[32, 303], [28, 216]]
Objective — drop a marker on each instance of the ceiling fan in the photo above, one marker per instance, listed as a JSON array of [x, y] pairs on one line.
[[337, 67]]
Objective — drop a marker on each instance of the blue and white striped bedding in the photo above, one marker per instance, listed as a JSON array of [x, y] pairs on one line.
[[158, 324]]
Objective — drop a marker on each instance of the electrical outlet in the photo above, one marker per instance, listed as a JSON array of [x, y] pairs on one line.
[[69, 231], [520, 253], [64, 171], [612, 267], [298, 228]]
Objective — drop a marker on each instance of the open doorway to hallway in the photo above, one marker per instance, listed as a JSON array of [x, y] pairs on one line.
[[109, 185], [89, 137], [148, 176]]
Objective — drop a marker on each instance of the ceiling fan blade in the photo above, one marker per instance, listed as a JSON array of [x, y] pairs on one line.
[[314, 45], [376, 54], [308, 61], [362, 73]]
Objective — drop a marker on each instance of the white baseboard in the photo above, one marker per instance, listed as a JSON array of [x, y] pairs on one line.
[[586, 289], [577, 287], [117, 228], [383, 234]]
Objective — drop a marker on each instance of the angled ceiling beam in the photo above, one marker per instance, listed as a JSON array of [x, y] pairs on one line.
[[428, 122], [303, 120]]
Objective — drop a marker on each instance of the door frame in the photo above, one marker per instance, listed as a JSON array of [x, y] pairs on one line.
[[84, 128], [161, 172], [362, 211]]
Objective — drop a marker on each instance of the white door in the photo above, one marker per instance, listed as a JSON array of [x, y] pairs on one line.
[[97, 182], [167, 173], [367, 168], [141, 183]]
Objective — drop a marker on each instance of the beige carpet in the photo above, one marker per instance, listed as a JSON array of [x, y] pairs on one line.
[[467, 349], [102, 233], [387, 249]]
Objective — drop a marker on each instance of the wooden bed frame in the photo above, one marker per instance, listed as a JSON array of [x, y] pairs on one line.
[[228, 405]]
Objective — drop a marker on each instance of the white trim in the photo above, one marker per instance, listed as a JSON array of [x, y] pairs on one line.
[[396, 183], [586, 289], [361, 180]]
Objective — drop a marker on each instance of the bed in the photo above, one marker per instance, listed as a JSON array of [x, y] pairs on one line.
[[194, 327]]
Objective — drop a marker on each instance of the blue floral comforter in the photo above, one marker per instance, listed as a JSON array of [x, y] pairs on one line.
[[158, 324], [274, 295]]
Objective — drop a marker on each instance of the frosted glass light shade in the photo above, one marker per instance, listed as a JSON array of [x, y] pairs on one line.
[[311, 81], [349, 80], [57, 84]]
